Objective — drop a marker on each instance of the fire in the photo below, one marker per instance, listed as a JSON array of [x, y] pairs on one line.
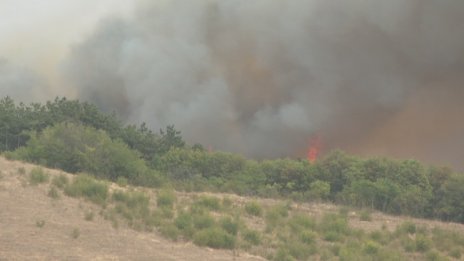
[[314, 147]]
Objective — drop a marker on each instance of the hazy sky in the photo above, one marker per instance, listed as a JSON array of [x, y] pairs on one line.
[[37, 34]]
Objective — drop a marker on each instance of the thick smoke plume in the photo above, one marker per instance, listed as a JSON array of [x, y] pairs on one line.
[[261, 77]]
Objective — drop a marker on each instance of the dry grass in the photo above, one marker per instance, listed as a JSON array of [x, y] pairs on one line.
[[75, 228]]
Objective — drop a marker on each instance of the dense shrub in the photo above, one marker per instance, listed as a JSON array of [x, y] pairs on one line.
[[89, 188], [77, 137], [77, 148], [37, 176], [253, 208], [214, 237], [166, 198]]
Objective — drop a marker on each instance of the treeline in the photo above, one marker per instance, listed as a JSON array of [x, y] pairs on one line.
[[76, 137]]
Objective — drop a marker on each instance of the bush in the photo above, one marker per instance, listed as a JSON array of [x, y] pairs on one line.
[[252, 236], [253, 208], [132, 204], [202, 221], [89, 215], [211, 203], [184, 222], [78, 148], [166, 199], [319, 190], [75, 233], [371, 248], [170, 231], [423, 244], [121, 181], [307, 236], [407, 227], [60, 181], [214, 237], [37, 176], [300, 222], [230, 225], [21, 171], [276, 215], [53, 193], [40, 223], [456, 253], [365, 215], [408, 244], [89, 188], [433, 255]]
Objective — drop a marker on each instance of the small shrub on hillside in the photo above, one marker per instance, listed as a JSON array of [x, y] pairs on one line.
[[89, 188], [455, 253], [214, 237], [170, 231], [40, 223], [21, 171], [423, 244], [333, 227], [380, 237], [209, 202], [60, 181], [300, 222], [227, 202], [166, 199], [283, 255], [275, 216], [332, 236], [121, 181], [89, 215], [365, 215], [75, 233], [253, 208], [252, 236], [334, 222], [319, 190], [406, 227], [184, 222], [408, 244], [167, 213], [445, 240], [37, 176], [203, 221], [433, 255], [230, 225], [53, 193], [299, 250], [135, 201], [307, 236], [371, 248]]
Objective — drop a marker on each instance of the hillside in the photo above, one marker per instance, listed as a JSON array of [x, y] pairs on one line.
[[24, 206], [37, 224]]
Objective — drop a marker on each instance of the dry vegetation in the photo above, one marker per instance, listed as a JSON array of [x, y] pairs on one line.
[[48, 214]]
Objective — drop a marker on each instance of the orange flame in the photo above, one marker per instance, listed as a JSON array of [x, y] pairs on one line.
[[314, 148]]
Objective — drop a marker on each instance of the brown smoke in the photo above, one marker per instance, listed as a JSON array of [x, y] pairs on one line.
[[260, 77]]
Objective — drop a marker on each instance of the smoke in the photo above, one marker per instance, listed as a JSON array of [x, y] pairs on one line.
[[21, 83], [260, 77]]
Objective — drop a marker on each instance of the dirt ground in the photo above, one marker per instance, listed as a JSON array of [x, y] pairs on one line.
[[34, 226]]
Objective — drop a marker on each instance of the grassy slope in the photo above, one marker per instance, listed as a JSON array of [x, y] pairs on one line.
[[23, 207], [33, 225]]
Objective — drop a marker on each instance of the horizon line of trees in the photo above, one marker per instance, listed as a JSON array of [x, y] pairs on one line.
[[77, 137]]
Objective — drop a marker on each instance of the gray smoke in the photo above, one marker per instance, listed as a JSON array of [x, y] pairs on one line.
[[21, 84], [261, 77]]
